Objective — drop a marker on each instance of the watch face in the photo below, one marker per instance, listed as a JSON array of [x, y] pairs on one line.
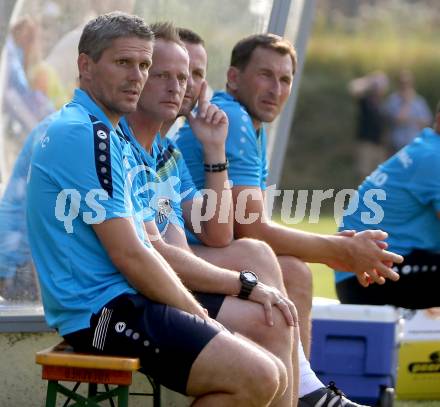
[[250, 277]]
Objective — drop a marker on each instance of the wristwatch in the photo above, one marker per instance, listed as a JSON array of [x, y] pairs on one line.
[[248, 281]]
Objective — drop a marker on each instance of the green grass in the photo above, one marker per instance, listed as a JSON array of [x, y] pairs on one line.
[[323, 282], [323, 286]]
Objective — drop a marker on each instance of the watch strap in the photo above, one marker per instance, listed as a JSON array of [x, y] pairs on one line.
[[245, 292], [246, 286], [219, 167]]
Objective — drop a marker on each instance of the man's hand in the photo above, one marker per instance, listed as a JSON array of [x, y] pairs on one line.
[[351, 233], [209, 124], [269, 297], [214, 322], [367, 258]]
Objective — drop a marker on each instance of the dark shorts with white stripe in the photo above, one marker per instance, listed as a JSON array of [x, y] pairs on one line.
[[165, 339], [417, 288]]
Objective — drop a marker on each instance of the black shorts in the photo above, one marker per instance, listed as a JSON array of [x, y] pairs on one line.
[[165, 339], [417, 288], [212, 302]]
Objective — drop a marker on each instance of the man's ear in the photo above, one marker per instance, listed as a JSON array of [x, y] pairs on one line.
[[84, 66], [232, 76]]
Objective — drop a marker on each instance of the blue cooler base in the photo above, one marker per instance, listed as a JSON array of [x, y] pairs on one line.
[[354, 348]]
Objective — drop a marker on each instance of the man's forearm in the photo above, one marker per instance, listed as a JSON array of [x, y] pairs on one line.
[[158, 282], [144, 268], [210, 126], [310, 247], [219, 227], [197, 274], [361, 253]]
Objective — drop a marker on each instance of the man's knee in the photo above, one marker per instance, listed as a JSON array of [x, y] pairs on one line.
[[252, 247], [248, 318], [234, 366], [271, 382], [283, 381], [296, 274], [262, 260], [276, 338]]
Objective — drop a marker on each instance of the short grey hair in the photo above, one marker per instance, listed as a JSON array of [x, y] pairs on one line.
[[99, 33]]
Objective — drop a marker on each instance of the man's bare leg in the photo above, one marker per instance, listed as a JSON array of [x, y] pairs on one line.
[[248, 319], [293, 278], [259, 257], [297, 278], [231, 372]]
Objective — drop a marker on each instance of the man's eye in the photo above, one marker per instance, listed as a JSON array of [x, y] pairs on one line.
[[144, 66], [198, 75], [121, 61]]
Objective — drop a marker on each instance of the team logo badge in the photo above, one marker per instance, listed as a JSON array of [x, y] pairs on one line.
[[120, 326], [101, 134], [164, 209]]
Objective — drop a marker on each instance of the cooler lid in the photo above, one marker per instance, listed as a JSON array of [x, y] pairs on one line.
[[329, 309]]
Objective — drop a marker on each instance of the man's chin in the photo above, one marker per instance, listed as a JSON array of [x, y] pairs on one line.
[[184, 112], [268, 117], [128, 108], [187, 107], [167, 117]]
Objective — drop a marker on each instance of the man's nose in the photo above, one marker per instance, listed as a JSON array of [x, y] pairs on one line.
[[137, 74], [276, 87], [173, 85], [189, 83]]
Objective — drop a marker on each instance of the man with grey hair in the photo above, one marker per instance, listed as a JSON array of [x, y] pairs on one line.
[[104, 288]]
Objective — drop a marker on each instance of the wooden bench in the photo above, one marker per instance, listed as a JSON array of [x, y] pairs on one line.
[[61, 363]]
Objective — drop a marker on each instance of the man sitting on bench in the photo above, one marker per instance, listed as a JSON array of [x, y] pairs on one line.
[[104, 288]]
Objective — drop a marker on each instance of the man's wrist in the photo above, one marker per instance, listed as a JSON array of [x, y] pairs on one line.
[[248, 281], [199, 310], [215, 159], [214, 154], [217, 167], [336, 248]]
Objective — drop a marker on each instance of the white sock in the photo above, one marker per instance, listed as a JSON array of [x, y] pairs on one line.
[[308, 381]]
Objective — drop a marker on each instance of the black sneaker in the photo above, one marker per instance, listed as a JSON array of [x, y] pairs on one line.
[[329, 396]]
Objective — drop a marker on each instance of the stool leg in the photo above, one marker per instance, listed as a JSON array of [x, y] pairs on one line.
[[107, 389], [93, 389], [51, 396], [122, 396], [156, 395]]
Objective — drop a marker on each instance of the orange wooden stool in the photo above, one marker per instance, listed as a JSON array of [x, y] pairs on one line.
[[61, 363]]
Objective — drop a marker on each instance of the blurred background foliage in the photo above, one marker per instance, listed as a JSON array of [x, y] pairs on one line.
[[349, 39]]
